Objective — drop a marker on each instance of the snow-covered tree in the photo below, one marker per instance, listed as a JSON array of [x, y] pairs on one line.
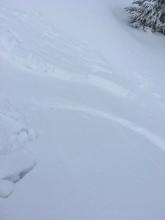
[[148, 14]]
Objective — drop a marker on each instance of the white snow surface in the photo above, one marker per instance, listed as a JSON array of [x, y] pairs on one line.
[[82, 96]]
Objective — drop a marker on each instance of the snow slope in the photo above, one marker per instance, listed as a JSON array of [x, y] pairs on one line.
[[83, 94]]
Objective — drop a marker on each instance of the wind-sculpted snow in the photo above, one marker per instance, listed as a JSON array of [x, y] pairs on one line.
[[100, 118], [51, 52], [47, 51], [46, 48]]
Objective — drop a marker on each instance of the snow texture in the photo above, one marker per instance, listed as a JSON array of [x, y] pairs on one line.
[[82, 96]]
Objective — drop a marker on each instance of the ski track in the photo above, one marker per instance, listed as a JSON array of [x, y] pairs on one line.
[[150, 136]]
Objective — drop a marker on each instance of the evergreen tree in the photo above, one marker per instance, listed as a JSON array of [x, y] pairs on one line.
[[148, 14]]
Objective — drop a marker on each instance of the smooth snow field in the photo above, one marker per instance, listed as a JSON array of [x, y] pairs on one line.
[[82, 113]]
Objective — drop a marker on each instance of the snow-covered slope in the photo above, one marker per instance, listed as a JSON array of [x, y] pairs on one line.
[[83, 94]]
